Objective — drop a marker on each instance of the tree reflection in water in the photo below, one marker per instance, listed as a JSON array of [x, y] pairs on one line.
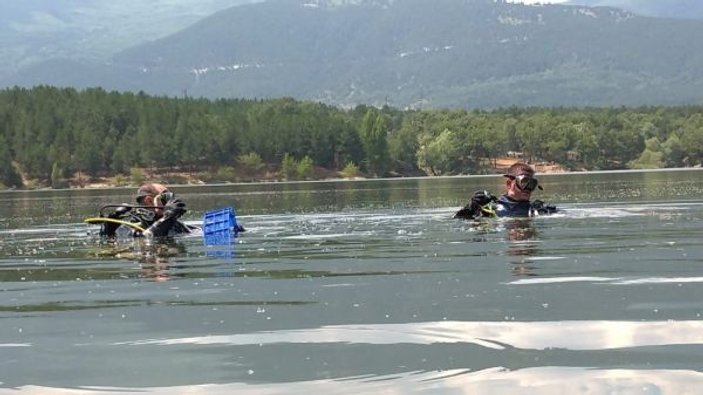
[[154, 257], [522, 244]]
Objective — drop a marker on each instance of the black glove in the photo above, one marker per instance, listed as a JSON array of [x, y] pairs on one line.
[[541, 208], [537, 204], [174, 208], [482, 198], [473, 209]]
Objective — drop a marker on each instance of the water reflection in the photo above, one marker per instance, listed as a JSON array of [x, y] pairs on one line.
[[23, 208], [522, 239], [543, 380], [538, 335], [154, 258], [396, 299], [156, 261]]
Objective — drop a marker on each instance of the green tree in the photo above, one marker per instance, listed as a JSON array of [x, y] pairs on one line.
[[692, 139], [8, 175], [125, 154], [348, 147], [350, 170], [304, 168], [651, 157], [403, 144], [252, 163], [58, 179], [673, 151], [288, 166], [374, 138], [558, 142], [226, 174], [136, 175], [587, 148], [87, 156], [441, 155]]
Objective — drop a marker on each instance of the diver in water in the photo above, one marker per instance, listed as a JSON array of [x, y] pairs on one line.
[[515, 202], [156, 214]]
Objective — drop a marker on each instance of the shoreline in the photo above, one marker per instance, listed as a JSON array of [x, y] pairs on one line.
[[265, 175], [106, 186]]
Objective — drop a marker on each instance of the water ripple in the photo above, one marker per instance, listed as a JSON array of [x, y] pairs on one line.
[[546, 380], [615, 281], [541, 335]]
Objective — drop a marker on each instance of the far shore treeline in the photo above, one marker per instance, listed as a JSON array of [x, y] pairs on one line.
[[61, 136]]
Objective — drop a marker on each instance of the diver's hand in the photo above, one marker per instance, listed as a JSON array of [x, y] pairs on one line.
[[174, 208], [473, 209], [481, 198], [542, 208]]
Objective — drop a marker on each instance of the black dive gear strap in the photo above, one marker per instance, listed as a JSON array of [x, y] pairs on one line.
[[141, 215]]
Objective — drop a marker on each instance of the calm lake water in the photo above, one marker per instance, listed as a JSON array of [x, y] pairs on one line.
[[362, 287]]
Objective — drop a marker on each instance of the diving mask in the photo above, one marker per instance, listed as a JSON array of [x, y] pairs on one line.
[[164, 197], [159, 200], [526, 182]]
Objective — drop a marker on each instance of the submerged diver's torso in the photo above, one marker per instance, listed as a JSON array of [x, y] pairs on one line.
[[485, 205], [507, 207]]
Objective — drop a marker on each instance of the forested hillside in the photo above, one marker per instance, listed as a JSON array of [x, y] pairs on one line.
[[34, 31], [48, 135], [410, 54]]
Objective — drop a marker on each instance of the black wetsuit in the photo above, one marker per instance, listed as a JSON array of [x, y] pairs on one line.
[[483, 204], [166, 225]]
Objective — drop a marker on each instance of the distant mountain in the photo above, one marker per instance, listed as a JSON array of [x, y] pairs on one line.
[[416, 53], [689, 9], [38, 30]]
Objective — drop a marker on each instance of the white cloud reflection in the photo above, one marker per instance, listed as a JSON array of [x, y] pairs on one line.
[[498, 380], [545, 380], [610, 280], [539, 335]]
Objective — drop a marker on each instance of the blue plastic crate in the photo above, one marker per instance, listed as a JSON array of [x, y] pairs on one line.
[[220, 227]]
